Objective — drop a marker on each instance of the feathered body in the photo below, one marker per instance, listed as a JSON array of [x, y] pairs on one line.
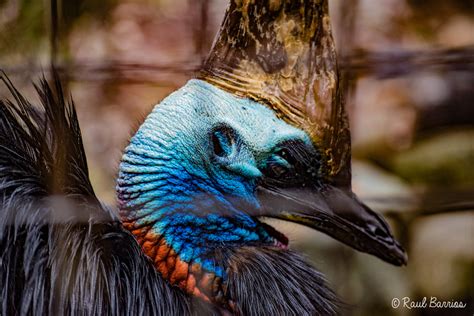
[[63, 252], [194, 181]]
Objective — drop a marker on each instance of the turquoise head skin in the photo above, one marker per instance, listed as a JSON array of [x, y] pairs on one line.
[[189, 174]]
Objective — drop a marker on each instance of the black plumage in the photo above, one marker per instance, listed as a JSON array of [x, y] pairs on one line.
[[63, 252]]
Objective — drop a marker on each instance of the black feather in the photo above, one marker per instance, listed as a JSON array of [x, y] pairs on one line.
[[61, 251], [274, 281]]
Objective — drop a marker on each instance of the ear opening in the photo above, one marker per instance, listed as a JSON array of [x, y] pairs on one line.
[[223, 140]]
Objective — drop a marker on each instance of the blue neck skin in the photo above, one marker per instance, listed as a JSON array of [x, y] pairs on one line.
[[185, 210], [175, 183]]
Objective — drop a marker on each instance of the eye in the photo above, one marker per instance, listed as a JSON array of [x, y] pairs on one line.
[[277, 170], [283, 153], [223, 140], [278, 164]]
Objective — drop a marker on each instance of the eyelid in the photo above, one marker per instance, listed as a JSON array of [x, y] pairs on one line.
[[280, 160]]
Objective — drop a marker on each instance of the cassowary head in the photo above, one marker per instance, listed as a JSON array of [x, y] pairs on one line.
[[206, 165], [261, 133]]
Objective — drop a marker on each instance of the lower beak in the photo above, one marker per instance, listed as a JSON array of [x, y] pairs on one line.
[[339, 214]]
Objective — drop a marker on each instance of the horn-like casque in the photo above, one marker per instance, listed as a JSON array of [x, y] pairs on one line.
[[282, 53]]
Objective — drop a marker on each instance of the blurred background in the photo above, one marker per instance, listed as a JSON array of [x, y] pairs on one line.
[[409, 66]]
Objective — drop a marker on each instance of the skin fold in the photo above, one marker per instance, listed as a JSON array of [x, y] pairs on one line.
[[187, 239]]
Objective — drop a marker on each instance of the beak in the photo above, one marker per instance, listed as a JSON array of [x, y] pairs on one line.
[[298, 197]]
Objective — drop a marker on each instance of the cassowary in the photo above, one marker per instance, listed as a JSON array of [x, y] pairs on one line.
[[261, 133], [193, 181]]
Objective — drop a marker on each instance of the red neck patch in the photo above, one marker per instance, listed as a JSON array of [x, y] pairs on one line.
[[189, 277]]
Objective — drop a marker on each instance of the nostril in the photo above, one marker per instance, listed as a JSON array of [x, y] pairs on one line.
[[378, 232]]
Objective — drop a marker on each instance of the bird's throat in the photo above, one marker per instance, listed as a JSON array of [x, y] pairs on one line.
[[190, 277]]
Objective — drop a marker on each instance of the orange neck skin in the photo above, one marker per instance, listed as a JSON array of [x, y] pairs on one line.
[[189, 277]]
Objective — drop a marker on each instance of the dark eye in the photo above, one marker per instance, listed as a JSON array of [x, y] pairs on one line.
[[283, 153], [278, 164], [277, 170], [288, 157], [222, 141]]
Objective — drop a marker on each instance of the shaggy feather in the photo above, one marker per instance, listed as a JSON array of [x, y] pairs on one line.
[[61, 251], [285, 284]]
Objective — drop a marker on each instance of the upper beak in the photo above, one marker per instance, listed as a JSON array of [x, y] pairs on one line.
[[329, 209]]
